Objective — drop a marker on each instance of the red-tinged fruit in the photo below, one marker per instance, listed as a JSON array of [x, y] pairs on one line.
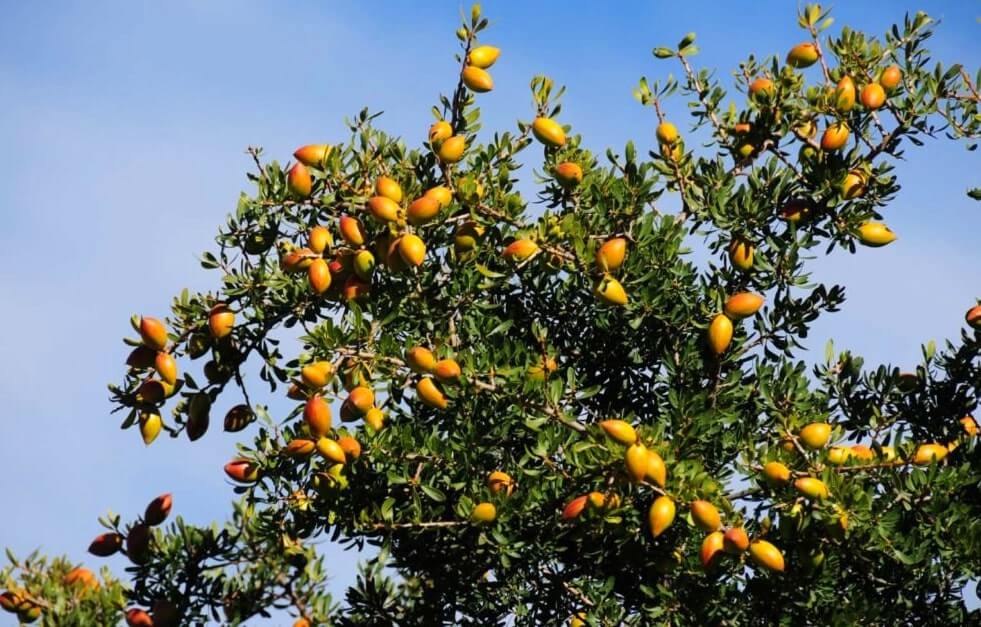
[[743, 305], [873, 96], [500, 482], [352, 231], [835, 137], [141, 358], [221, 321], [713, 548], [158, 509], [153, 333], [106, 544], [81, 576], [299, 448], [299, 181], [166, 367], [423, 209], [312, 155], [973, 317], [242, 471], [350, 446], [762, 86], [735, 541], [316, 413], [447, 371], [361, 399], [575, 507], [138, 543], [136, 617], [318, 274], [568, 174], [520, 250], [890, 78]]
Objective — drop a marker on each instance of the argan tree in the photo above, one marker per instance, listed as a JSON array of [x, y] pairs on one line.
[[543, 410]]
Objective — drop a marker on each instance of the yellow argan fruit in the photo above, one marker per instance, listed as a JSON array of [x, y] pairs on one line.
[[661, 515], [891, 77], [657, 471], [150, 425], [447, 371], [221, 320], [667, 133], [420, 359], [887, 454], [802, 55], [352, 231], [519, 250], [568, 174], [153, 333], [430, 394], [875, 234], [776, 473], [331, 450], [838, 455], [412, 249], [766, 555], [720, 334], [805, 130], [299, 181], [741, 254], [363, 264], [619, 430], [762, 86], [361, 399], [815, 435], [384, 209], [319, 239], [862, 452], [423, 209], [609, 291], [477, 79], [352, 448], [743, 305], [597, 499], [440, 132], [705, 515], [166, 367], [389, 188], [713, 548], [973, 317], [578, 620], [483, 513], [452, 148], [845, 94], [548, 132], [313, 155], [636, 460], [299, 448], [316, 413], [483, 56], [812, 488], [835, 137], [873, 96], [319, 276], [854, 185], [375, 418], [441, 194], [927, 454], [970, 426], [466, 237], [499, 482], [673, 152], [735, 541], [610, 256], [317, 375]]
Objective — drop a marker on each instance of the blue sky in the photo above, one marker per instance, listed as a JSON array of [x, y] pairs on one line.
[[124, 126]]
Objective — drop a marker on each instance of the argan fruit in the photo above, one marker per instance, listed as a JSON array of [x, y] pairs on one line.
[[447, 371], [477, 79], [578, 620], [712, 550], [660, 515], [610, 255], [299, 181], [673, 152], [575, 507], [319, 239], [313, 155], [720, 334], [854, 185], [875, 234], [299, 448], [361, 399], [318, 274], [636, 461], [890, 78], [238, 418], [838, 455], [9, 601], [301, 622], [158, 509], [619, 430], [520, 250], [221, 320], [776, 473], [743, 305], [815, 435], [151, 391], [431, 395], [483, 56], [483, 513], [805, 130], [762, 86], [845, 95], [153, 333], [667, 133], [548, 132], [742, 128], [389, 188], [297, 260], [873, 96], [81, 576], [927, 454], [364, 264], [355, 289], [610, 291], [352, 231], [735, 540], [316, 413], [766, 555], [242, 471], [440, 194], [138, 544], [568, 174], [198, 416], [705, 515], [542, 371], [412, 249], [452, 149], [466, 237], [141, 358], [812, 488], [802, 55], [166, 367], [423, 209], [29, 614], [136, 617], [439, 132], [973, 317], [150, 425], [970, 426], [375, 418], [656, 471], [421, 360], [862, 452], [835, 137], [317, 375], [331, 450], [384, 209], [887, 454], [499, 482], [741, 254], [106, 544]]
